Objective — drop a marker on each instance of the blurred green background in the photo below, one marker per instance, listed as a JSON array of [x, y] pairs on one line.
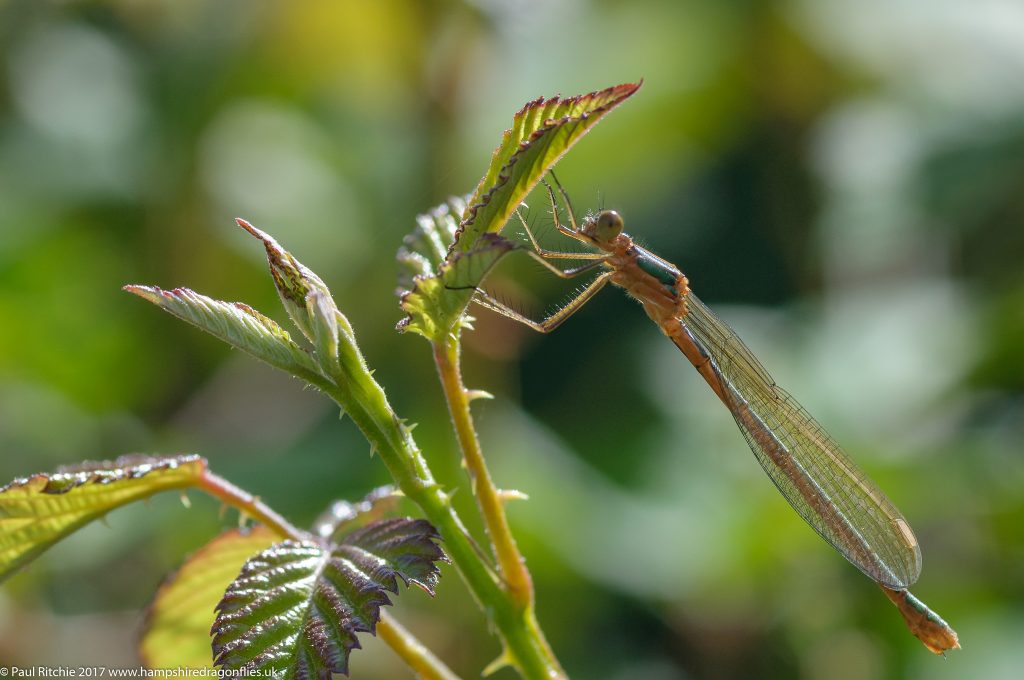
[[842, 181]]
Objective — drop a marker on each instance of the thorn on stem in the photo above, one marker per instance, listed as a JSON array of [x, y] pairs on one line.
[[507, 495], [504, 660]]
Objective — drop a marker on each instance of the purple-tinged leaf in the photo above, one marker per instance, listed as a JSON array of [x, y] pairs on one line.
[[296, 607], [406, 548]]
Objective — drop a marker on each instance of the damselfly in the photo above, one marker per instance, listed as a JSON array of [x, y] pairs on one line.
[[810, 469]]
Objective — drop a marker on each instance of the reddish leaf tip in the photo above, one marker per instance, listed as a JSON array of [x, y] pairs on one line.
[[139, 289], [247, 225], [268, 241]]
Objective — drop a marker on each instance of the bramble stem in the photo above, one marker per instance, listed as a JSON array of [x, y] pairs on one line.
[[415, 655], [343, 375], [510, 562], [352, 386], [516, 577]]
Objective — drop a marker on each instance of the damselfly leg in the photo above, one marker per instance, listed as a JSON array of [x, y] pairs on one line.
[[542, 256]]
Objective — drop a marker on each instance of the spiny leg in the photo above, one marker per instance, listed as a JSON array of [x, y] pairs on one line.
[[565, 197], [596, 260], [482, 298], [542, 255], [555, 254], [572, 233], [574, 271], [552, 321]]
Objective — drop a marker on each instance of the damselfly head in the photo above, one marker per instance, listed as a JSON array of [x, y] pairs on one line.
[[603, 228]]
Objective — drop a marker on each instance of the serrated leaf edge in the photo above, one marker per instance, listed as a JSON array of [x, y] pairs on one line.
[[375, 586], [168, 300], [102, 473], [505, 174], [111, 472]]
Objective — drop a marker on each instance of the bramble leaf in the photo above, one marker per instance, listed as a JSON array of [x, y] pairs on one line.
[[296, 285], [323, 321], [442, 286], [297, 606], [235, 323], [177, 628], [436, 305], [541, 133], [424, 250], [308, 302], [38, 511]]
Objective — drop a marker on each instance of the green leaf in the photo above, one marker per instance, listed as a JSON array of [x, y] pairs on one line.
[[295, 282], [235, 323], [297, 606], [541, 133], [38, 511], [323, 320], [453, 247], [437, 304], [425, 249], [177, 628]]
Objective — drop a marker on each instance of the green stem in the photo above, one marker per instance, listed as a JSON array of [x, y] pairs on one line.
[[415, 654], [510, 561], [417, 657], [362, 398]]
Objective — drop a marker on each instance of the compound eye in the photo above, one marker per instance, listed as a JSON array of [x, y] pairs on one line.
[[609, 225]]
